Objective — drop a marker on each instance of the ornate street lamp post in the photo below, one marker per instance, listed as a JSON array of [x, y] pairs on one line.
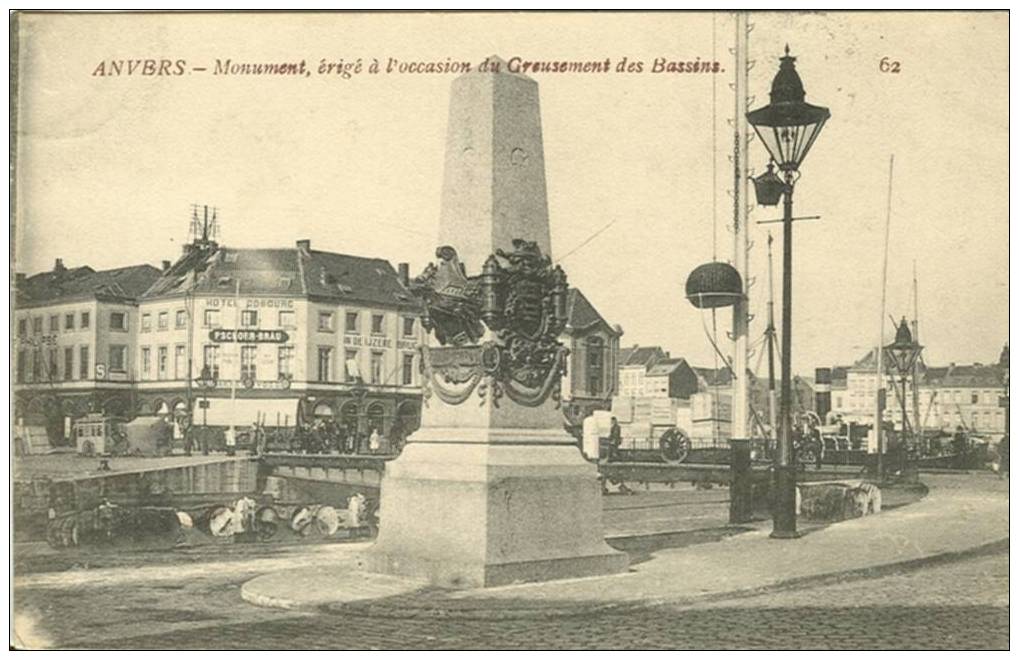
[[901, 356], [788, 127]]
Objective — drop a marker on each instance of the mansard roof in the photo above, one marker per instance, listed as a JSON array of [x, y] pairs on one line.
[[300, 271], [62, 285]]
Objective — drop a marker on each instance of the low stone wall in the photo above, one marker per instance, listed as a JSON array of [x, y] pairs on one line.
[[335, 493], [169, 486]]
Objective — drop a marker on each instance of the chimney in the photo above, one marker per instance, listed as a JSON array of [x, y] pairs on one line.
[[166, 265], [58, 266], [304, 245], [404, 271]]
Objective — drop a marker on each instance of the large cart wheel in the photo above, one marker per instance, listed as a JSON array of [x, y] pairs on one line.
[[69, 532], [674, 446]]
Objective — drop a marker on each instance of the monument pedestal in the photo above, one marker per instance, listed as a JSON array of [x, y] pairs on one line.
[[464, 513], [491, 490]]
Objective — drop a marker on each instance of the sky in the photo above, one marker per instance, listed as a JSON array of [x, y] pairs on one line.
[[109, 167]]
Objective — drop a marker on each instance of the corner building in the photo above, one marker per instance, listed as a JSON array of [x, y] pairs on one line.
[[257, 329]]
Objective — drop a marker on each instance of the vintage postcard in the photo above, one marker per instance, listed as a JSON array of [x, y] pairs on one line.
[[510, 331]]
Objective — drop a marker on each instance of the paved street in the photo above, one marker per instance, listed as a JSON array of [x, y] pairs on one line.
[[958, 605], [191, 599]]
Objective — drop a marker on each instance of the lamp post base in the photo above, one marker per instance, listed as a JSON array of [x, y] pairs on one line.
[[784, 535], [741, 509], [784, 503]]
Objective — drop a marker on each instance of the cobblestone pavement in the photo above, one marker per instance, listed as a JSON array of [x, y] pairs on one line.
[[954, 604]]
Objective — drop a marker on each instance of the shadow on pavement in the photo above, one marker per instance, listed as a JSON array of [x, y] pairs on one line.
[[642, 547]]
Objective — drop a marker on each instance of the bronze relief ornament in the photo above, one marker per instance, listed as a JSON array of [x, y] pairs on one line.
[[520, 298]]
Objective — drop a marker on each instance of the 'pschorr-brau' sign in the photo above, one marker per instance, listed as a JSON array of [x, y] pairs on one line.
[[249, 336]]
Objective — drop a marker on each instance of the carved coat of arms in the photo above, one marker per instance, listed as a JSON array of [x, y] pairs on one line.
[[520, 297]]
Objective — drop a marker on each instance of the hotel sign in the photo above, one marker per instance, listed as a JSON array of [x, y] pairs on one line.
[[250, 336]]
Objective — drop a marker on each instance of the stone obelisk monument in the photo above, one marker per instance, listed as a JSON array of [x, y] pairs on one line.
[[491, 490]]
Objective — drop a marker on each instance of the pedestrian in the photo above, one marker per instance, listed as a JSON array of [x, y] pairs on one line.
[[105, 519], [341, 439], [615, 438], [231, 440], [1003, 458], [355, 510], [257, 437]]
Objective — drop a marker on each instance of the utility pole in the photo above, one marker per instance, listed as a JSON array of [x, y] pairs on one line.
[[879, 404], [917, 436], [741, 310], [740, 486], [237, 352], [189, 310]]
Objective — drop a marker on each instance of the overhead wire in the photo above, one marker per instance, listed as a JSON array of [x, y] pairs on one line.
[[586, 241]]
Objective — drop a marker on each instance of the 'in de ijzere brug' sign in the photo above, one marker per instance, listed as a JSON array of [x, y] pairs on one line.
[[249, 336]]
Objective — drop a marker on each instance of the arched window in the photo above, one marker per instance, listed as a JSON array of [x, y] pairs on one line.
[[595, 350], [349, 418], [376, 412]]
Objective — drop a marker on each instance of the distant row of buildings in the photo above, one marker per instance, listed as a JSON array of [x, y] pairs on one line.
[[700, 396], [946, 398], [342, 333], [240, 335]]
